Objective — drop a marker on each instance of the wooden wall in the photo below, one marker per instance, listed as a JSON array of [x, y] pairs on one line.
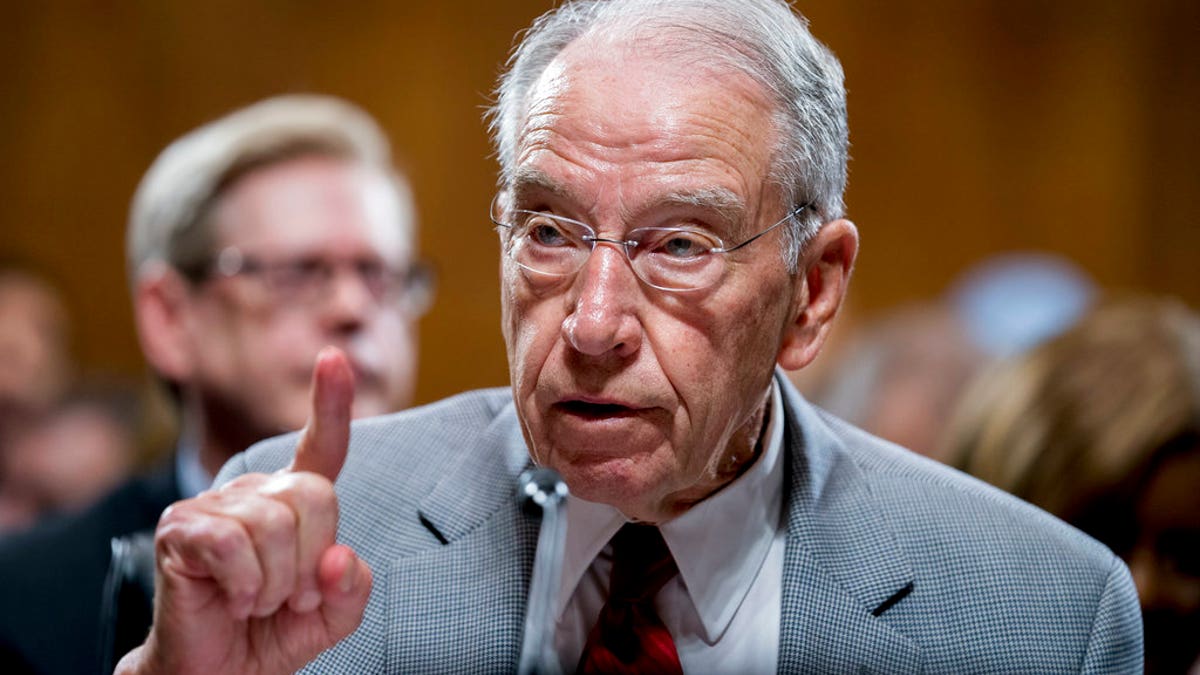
[[978, 126]]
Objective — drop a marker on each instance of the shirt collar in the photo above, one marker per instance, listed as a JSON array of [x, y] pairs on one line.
[[190, 475], [719, 544]]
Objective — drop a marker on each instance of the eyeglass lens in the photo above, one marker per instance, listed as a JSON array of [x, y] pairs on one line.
[[663, 257]]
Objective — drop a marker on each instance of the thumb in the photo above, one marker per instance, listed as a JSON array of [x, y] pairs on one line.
[[345, 581], [322, 447]]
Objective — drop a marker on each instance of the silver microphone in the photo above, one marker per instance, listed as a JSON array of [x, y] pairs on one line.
[[543, 489]]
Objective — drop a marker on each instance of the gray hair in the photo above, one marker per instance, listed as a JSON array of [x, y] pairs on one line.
[[764, 39], [169, 221]]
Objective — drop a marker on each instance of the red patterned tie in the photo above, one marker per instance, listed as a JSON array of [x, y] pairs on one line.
[[629, 637]]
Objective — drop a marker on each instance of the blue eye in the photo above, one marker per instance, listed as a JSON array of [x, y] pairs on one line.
[[547, 235], [679, 245], [545, 231]]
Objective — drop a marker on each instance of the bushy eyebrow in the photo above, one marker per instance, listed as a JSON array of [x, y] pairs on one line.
[[730, 207], [529, 180], [725, 203]]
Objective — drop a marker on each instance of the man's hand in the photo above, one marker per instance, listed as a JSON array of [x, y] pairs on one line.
[[249, 578]]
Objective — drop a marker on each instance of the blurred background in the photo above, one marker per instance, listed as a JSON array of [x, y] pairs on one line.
[[1016, 163], [978, 126]]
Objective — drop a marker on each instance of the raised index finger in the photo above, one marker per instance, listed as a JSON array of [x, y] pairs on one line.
[[322, 447]]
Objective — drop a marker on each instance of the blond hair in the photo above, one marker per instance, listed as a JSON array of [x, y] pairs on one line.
[[1074, 418], [168, 219]]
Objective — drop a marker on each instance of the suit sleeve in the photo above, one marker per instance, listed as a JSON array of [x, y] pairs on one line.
[[264, 456], [235, 467], [1115, 645]]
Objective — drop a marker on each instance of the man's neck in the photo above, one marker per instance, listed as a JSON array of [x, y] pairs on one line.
[[741, 451], [213, 448]]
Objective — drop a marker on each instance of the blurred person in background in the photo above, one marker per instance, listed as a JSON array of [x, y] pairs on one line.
[[35, 369], [902, 370], [1101, 426], [253, 242], [1011, 302], [35, 360], [34, 350], [69, 456]]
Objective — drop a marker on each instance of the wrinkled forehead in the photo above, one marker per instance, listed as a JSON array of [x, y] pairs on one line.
[[621, 81], [601, 107], [316, 203]]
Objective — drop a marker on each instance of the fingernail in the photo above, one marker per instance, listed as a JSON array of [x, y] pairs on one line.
[[347, 580]]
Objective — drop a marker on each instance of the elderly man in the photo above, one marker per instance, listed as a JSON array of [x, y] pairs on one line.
[[253, 242], [671, 224]]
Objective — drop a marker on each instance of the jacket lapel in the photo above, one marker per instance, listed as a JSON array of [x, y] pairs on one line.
[[843, 568], [465, 600]]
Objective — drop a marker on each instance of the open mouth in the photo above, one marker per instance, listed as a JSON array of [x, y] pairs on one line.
[[590, 410]]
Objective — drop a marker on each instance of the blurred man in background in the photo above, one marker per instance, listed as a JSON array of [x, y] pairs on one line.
[[253, 242]]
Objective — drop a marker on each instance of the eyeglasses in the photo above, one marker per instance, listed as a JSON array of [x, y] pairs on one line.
[[308, 280], [666, 258]]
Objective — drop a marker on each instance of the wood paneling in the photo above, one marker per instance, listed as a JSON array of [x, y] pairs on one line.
[[978, 126]]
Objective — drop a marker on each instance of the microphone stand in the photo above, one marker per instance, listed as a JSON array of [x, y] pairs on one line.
[[542, 489]]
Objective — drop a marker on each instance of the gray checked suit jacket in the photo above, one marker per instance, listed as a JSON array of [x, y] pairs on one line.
[[893, 563]]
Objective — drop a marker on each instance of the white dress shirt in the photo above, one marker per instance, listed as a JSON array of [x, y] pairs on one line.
[[723, 608], [190, 475]]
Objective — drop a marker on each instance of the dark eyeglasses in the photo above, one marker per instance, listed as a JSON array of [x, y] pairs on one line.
[[308, 280]]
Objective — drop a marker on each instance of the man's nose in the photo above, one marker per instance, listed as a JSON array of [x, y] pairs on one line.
[[601, 316], [347, 302]]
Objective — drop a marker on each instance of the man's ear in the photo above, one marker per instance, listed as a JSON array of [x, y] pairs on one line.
[[161, 304], [820, 288]]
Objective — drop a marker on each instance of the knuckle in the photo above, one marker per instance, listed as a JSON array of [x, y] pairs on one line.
[[276, 523], [177, 521], [225, 542], [179, 512], [314, 489], [168, 522], [247, 481], [305, 490], [243, 591]]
